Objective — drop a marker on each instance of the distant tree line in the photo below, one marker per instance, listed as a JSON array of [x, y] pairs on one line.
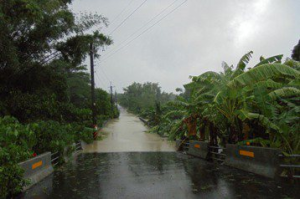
[[139, 98]]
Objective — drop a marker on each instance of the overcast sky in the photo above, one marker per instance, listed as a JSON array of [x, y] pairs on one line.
[[194, 38]]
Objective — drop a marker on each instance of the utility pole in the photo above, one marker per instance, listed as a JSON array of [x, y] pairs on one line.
[[93, 85], [111, 99], [116, 97]]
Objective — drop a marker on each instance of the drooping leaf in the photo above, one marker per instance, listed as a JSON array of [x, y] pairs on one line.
[[262, 73], [274, 59], [284, 93]]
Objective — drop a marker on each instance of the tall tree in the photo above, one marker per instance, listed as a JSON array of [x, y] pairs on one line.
[[296, 52]]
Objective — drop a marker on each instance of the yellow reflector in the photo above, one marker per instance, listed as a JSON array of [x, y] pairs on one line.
[[247, 153], [36, 165]]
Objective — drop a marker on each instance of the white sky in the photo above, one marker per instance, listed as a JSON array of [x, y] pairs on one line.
[[195, 38]]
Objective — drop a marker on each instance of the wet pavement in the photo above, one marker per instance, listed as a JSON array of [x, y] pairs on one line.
[[154, 175], [128, 134], [130, 163]]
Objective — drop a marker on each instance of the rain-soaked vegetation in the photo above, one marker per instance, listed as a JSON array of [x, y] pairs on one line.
[[44, 88], [258, 105]]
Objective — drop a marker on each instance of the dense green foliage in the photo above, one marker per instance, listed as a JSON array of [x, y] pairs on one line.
[[143, 98], [42, 47], [15, 142], [43, 86], [19, 142], [259, 105]]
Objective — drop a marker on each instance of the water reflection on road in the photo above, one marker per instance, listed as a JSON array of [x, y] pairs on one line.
[[157, 175], [128, 134]]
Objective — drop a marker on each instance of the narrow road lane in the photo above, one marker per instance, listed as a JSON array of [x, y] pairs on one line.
[[128, 134]]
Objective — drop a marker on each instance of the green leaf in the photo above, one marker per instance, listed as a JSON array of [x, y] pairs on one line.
[[284, 93], [263, 73], [242, 64], [274, 59]]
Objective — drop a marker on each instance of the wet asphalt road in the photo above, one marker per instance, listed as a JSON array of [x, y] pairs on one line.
[[154, 175], [130, 163]]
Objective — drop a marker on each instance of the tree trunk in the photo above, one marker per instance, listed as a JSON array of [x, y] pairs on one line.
[[213, 135], [191, 123], [233, 136], [202, 132]]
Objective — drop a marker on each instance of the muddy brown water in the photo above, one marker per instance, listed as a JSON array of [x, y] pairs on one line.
[[128, 134]]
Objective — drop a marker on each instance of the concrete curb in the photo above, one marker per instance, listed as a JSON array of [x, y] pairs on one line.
[[36, 169], [198, 149], [258, 160]]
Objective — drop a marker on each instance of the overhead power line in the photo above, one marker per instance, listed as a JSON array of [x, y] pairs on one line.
[[100, 79], [147, 23], [125, 8], [105, 58], [132, 13], [104, 73]]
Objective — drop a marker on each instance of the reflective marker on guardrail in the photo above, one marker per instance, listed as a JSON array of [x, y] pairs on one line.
[[247, 153], [36, 165]]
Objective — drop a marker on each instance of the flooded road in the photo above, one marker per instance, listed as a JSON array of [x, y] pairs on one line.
[[157, 175], [132, 164], [128, 134]]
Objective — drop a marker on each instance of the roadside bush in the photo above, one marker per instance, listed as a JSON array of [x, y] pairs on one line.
[[83, 133], [16, 142], [19, 142], [52, 136], [11, 174], [15, 135]]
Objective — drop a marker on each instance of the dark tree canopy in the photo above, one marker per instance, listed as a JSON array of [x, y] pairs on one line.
[[296, 52], [42, 47]]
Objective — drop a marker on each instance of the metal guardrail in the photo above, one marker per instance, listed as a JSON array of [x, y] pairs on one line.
[[216, 147], [216, 154], [290, 166], [56, 155], [54, 158], [186, 146], [78, 146]]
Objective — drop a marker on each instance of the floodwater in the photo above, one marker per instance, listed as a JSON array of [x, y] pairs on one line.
[[128, 134], [130, 163], [157, 175]]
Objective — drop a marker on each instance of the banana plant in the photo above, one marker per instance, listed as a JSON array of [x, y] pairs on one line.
[[259, 105]]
